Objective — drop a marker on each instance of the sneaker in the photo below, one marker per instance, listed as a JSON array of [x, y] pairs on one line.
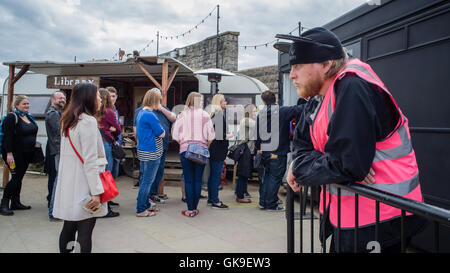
[[279, 202], [111, 203], [247, 195], [111, 214], [220, 206], [156, 199], [136, 186], [261, 207], [209, 202], [163, 196], [243, 200], [278, 208]]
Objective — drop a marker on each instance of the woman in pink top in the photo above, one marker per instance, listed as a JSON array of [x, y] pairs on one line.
[[193, 125]]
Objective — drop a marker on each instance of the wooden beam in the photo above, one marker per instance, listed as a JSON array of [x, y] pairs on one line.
[[164, 81], [172, 76], [155, 82], [22, 71], [12, 69]]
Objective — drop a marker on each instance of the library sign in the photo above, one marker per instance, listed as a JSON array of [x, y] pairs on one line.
[[68, 82]]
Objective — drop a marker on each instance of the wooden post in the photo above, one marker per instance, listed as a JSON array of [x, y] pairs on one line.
[[164, 81], [11, 81]]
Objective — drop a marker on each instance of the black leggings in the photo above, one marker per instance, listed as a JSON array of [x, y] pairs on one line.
[[83, 244], [14, 186]]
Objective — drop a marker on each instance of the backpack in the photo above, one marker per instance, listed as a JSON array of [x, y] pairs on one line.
[[1, 128]]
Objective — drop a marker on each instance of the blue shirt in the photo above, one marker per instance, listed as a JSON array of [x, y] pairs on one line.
[[147, 128], [165, 123]]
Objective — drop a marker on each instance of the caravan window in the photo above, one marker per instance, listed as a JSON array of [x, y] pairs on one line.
[[39, 105]]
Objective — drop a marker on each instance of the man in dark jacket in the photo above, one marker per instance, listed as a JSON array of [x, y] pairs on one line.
[[52, 118], [273, 131]]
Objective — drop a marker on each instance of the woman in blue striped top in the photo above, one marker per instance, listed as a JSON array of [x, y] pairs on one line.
[[149, 150]]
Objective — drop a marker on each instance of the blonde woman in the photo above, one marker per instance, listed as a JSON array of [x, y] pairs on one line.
[[20, 131], [218, 150], [193, 125], [149, 133]]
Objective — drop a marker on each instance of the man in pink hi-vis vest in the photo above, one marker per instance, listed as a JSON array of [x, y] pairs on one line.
[[352, 131]]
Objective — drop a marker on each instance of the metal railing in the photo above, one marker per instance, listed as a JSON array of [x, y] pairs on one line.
[[436, 215]]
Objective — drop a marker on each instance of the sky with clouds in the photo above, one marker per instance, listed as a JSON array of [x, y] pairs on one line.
[[59, 30]]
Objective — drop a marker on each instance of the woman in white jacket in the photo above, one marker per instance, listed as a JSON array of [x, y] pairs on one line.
[[79, 186]]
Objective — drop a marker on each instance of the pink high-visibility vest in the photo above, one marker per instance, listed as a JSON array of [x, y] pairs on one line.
[[394, 163]]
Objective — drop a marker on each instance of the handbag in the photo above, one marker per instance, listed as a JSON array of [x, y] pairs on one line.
[[195, 152], [38, 156], [110, 190], [117, 151]]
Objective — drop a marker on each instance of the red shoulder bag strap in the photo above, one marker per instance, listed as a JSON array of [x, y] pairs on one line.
[[73, 147]]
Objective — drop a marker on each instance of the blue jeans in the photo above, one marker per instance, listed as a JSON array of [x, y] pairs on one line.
[[159, 175], [50, 208], [148, 170], [214, 180], [113, 164], [274, 169], [193, 173]]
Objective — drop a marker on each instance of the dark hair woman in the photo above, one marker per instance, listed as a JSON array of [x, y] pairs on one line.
[[78, 189], [20, 131], [110, 130]]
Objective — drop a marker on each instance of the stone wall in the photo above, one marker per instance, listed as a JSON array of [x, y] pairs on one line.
[[266, 74], [202, 55]]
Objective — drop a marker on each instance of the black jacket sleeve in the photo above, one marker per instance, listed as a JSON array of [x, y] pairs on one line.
[[352, 134], [9, 131]]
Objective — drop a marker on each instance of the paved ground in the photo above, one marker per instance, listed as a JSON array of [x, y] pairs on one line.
[[242, 228]]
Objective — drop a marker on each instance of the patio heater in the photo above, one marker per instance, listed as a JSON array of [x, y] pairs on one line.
[[214, 77]]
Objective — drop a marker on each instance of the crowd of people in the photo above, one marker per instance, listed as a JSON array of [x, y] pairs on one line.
[[349, 129]]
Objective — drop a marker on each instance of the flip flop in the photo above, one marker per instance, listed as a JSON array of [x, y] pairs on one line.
[[190, 214], [146, 213], [155, 209]]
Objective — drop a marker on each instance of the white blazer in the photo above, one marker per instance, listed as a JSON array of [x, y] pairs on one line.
[[76, 181]]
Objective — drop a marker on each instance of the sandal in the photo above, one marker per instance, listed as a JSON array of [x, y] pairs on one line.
[[153, 208], [146, 213], [188, 214]]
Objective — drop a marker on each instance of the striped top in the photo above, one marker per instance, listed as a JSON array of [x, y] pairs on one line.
[[147, 156]]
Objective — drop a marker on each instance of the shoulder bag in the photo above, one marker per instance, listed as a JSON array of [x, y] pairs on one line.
[[117, 151], [195, 152], [109, 185]]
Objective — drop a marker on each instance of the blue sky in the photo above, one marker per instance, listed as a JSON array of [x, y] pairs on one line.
[[59, 30]]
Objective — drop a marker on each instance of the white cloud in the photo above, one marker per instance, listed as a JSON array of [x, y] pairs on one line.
[[59, 30]]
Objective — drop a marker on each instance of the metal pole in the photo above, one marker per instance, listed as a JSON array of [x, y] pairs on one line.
[[299, 28], [157, 43], [217, 38], [290, 220]]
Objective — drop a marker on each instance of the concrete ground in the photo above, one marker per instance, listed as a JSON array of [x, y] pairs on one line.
[[244, 228]]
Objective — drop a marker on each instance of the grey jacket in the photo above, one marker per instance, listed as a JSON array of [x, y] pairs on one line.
[[52, 118]]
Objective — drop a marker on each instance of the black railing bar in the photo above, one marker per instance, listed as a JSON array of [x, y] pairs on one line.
[[312, 219], [377, 224], [301, 219], [436, 236], [429, 211], [429, 130], [403, 232], [324, 199], [339, 222], [356, 223], [290, 220]]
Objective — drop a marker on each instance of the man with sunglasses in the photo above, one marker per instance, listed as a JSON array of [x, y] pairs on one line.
[[351, 130]]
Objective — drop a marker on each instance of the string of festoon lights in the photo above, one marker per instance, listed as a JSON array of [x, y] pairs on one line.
[[269, 43], [171, 37]]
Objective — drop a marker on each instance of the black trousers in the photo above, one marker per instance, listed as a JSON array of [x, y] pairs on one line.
[[83, 242], [14, 186]]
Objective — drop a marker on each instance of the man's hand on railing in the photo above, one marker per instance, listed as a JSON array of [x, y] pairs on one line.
[[369, 180], [292, 181]]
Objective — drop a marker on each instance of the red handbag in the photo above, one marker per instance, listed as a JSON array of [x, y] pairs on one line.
[[110, 190]]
